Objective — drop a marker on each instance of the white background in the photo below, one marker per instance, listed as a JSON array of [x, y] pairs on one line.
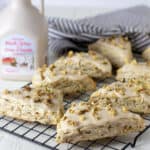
[[81, 8]]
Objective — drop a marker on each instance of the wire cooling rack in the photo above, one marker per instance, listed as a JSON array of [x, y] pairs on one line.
[[45, 135]]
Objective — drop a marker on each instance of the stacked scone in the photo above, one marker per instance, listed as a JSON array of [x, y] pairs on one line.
[[73, 73], [69, 84], [109, 111], [43, 102]]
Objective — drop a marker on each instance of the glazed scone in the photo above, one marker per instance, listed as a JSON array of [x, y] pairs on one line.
[[133, 70], [70, 85], [84, 121], [116, 49], [133, 95], [146, 54], [43, 105], [92, 64]]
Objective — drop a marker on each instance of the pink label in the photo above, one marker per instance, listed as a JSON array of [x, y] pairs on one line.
[[17, 55]]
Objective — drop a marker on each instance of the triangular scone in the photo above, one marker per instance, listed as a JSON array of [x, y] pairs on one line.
[[33, 105], [92, 64], [70, 85], [116, 49], [133, 70], [133, 95], [84, 121]]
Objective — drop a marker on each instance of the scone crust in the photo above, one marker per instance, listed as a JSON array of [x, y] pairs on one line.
[[133, 70], [69, 84], [116, 49], [92, 64], [134, 95], [84, 121], [33, 104]]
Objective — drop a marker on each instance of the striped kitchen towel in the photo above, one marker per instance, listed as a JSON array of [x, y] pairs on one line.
[[65, 34]]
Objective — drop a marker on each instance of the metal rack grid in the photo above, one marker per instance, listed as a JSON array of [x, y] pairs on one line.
[[45, 135]]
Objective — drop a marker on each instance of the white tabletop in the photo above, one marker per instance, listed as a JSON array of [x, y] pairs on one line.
[[11, 142]]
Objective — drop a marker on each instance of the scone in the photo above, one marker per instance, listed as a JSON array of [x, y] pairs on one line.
[[133, 95], [146, 54], [33, 104], [84, 121], [70, 85], [116, 49], [133, 70], [92, 64]]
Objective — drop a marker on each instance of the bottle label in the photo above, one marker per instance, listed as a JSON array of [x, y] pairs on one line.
[[17, 55]]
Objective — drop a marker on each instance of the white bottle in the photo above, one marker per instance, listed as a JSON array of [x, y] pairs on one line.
[[23, 40]]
